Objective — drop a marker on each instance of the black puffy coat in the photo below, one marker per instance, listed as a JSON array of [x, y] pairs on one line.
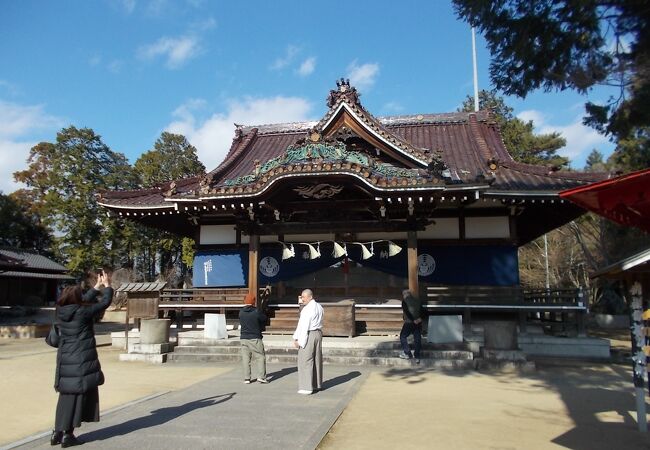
[[77, 366], [251, 323], [411, 308]]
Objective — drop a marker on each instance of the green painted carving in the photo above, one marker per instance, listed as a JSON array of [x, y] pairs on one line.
[[390, 171], [331, 152]]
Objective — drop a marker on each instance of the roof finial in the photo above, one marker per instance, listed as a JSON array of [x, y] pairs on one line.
[[344, 90]]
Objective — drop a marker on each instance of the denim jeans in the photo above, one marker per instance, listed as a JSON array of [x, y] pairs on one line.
[[416, 331]]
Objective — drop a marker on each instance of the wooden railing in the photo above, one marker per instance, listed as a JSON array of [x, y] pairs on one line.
[[468, 299], [505, 297], [205, 299]]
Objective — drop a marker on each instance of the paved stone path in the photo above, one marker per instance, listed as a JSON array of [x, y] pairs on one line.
[[222, 412]]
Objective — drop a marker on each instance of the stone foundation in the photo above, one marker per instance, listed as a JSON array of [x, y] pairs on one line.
[[36, 330]]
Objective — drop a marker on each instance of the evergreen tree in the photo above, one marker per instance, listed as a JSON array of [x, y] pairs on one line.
[[571, 44], [20, 227], [62, 179], [595, 162], [172, 158]]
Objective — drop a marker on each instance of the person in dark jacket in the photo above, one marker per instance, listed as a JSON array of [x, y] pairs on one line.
[[412, 312], [251, 325], [78, 372]]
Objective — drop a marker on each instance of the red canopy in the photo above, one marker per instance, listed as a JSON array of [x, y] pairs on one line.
[[624, 199]]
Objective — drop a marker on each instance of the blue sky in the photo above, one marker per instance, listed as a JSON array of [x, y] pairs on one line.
[[131, 69]]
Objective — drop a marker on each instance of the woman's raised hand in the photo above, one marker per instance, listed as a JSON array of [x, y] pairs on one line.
[[103, 279]]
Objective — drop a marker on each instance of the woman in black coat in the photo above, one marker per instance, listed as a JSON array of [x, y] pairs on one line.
[[78, 372]]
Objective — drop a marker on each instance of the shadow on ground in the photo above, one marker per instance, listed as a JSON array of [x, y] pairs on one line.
[[274, 376], [157, 417], [328, 384]]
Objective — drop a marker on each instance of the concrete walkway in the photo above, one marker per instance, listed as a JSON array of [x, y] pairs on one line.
[[222, 412]]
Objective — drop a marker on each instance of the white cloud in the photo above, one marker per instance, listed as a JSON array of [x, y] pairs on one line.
[[307, 67], [115, 66], [203, 25], [128, 5], [392, 107], [213, 136], [177, 50], [9, 88], [537, 117], [580, 139], [17, 123], [362, 76], [157, 7], [95, 60], [288, 57]]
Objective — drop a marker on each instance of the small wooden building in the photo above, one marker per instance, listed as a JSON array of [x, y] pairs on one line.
[[29, 279]]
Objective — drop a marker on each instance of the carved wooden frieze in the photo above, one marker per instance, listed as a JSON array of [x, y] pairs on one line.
[[318, 191]]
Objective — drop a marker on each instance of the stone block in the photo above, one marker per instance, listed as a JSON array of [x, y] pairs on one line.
[[118, 339], [215, 326], [500, 335], [154, 331], [445, 329], [144, 357]]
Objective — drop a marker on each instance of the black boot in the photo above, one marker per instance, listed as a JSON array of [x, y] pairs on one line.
[[56, 437], [69, 440]]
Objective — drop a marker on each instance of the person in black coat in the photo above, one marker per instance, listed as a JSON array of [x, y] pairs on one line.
[[251, 324], [412, 312], [78, 372]]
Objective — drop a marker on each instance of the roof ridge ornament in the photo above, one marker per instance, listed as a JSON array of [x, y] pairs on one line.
[[343, 92]]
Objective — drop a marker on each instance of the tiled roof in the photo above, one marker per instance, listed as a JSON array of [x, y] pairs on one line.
[[31, 260], [38, 275], [142, 287], [467, 144]]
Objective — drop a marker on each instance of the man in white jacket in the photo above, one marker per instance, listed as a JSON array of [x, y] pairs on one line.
[[308, 339]]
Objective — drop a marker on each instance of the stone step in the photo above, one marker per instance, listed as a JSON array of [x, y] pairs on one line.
[[284, 323], [443, 364], [334, 352]]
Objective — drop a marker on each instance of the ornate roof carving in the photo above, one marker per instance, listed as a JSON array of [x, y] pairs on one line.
[[345, 99], [317, 155]]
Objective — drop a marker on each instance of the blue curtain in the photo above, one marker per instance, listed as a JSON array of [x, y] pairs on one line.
[[226, 268], [293, 267], [489, 265]]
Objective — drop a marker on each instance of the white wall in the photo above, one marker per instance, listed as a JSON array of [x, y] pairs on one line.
[[226, 234], [444, 228], [487, 227], [218, 234]]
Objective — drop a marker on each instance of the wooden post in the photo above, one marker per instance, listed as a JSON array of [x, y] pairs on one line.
[[638, 356], [412, 243], [253, 263]]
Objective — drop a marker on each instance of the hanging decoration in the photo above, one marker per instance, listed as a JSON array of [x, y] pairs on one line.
[[339, 251], [313, 253], [393, 248], [365, 253], [367, 249], [288, 251]]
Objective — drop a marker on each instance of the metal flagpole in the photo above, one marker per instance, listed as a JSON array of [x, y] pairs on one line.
[[476, 104]]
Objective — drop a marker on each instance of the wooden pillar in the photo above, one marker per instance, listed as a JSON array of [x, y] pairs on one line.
[[412, 243], [635, 292], [253, 263]]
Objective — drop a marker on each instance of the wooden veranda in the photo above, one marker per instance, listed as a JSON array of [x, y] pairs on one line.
[[360, 312]]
